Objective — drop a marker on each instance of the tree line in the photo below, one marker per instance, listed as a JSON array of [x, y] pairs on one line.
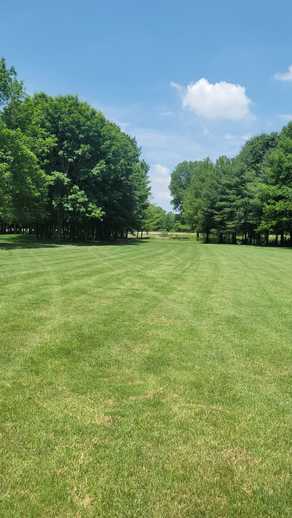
[[158, 219], [66, 172], [247, 198]]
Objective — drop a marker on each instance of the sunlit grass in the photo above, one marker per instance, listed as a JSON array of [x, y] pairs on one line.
[[151, 379]]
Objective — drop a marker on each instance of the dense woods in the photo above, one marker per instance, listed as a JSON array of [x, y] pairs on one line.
[[247, 198], [65, 171], [158, 219]]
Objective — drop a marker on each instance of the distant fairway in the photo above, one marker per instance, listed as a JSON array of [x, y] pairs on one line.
[[152, 379]]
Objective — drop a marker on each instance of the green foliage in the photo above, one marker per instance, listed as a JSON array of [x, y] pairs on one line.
[[11, 89], [158, 219], [198, 199], [97, 185], [249, 195], [23, 185], [179, 183]]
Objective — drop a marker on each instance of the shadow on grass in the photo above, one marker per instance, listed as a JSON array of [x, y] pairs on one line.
[[270, 246], [12, 242]]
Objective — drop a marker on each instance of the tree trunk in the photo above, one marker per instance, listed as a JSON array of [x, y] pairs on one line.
[[267, 238]]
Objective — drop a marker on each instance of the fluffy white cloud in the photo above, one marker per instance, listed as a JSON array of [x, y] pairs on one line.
[[284, 76], [160, 179], [226, 101]]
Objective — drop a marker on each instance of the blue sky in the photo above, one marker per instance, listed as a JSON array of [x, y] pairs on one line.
[[188, 79]]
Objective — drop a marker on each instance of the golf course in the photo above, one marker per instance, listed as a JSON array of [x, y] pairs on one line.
[[145, 378]]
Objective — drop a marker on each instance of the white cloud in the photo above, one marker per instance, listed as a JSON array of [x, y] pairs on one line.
[[160, 179], [226, 101], [284, 76]]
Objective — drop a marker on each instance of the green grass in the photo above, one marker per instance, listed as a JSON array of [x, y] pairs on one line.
[[145, 380]]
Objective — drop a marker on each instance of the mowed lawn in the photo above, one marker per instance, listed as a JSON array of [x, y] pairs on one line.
[[152, 379]]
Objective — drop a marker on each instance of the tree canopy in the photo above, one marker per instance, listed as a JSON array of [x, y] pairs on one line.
[[159, 219], [248, 196], [66, 171]]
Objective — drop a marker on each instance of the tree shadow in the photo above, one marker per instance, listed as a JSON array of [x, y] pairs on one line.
[[270, 246], [12, 242]]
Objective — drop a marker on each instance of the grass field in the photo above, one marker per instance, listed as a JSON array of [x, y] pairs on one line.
[[152, 379]]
